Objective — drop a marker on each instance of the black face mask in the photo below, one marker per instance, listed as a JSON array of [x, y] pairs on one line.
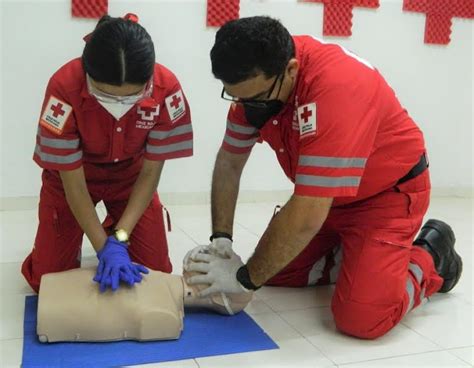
[[258, 115]]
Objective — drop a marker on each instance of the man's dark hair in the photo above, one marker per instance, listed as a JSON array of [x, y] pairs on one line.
[[246, 47], [119, 51]]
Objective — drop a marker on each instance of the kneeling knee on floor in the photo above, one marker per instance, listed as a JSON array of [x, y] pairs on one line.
[[366, 321]]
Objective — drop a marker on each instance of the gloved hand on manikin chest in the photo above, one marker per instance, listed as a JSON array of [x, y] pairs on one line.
[[219, 273], [221, 247]]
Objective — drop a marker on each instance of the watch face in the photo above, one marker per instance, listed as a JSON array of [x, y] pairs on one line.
[[121, 235]]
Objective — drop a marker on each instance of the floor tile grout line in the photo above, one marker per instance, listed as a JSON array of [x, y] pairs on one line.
[[248, 229], [421, 335], [187, 235], [298, 309], [304, 337], [391, 357], [460, 347], [461, 359]]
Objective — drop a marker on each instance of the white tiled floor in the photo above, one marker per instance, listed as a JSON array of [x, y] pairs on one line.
[[440, 333]]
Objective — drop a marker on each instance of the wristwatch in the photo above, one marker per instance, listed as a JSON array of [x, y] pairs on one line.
[[121, 235], [219, 234], [244, 278]]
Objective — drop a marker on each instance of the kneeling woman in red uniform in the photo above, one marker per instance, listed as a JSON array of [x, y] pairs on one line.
[[109, 121]]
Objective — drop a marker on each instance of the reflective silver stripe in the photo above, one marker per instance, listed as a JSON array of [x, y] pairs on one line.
[[416, 270], [59, 143], [182, 129], [338, 162], [169, 147], [410, 288], [316, 271], [240, 129], [240, 143], [56, 159], [422, 295], [328, 181]]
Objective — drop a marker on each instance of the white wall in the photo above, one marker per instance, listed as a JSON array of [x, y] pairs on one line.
[[433, 82]]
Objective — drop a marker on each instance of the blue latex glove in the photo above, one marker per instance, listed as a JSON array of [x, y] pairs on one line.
[[115, 266]]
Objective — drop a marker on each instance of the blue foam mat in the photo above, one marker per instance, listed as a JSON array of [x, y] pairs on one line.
[[204, 334]]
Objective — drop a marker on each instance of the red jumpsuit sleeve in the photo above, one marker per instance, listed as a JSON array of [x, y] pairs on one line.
[[335, 146], [58, 144], [240, 136], [172, 136]]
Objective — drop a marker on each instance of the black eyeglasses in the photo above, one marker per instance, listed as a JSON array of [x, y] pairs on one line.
[[254, 101]]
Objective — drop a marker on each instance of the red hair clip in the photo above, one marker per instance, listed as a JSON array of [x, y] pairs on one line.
[[87, 37], [131, 17]]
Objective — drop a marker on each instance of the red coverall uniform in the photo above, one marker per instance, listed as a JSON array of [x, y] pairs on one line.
[[344, 134], [74, 131]]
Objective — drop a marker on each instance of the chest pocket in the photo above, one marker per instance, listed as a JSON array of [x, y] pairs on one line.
[[135, 138], [95, 134], [280, 136]]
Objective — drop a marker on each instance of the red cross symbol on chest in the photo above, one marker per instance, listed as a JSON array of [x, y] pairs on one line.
[[58, 110], [439, 16], [306, 114], [338, 15], [148, 112], [175, 102]]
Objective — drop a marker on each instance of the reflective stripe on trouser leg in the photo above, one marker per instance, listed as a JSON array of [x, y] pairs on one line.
[[322, 267], [417, 273], [316, 271]]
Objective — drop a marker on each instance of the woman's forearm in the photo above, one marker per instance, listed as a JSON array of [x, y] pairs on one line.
[[81, 205]]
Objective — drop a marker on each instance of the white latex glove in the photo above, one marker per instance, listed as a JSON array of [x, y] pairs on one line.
[[192, 253], [219, 273], [219, 246], [222, 247]]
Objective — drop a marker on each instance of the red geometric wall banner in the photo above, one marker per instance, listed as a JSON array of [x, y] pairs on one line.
[[220, 12], [338, 15], [89, 8], [439, 16]]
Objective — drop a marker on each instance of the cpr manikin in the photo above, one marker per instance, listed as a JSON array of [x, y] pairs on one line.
[[71, 308]]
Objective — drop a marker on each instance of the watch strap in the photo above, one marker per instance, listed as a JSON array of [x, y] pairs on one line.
[[243, 278]]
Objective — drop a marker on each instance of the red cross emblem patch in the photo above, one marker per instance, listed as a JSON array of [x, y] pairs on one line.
[[55, 115], [307, 119], [175, 105], [148, 113]]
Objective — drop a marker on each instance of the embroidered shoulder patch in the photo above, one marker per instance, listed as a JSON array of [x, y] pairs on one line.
[[307, 119], [175, 105], [55, 115]]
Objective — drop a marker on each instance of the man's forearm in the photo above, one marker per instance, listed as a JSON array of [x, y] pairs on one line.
[[225, 190], [142, 193], [285, 238]]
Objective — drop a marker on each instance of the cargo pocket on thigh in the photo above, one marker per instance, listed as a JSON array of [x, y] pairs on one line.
[[380, 276]]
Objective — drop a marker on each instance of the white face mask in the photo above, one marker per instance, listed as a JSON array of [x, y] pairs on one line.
[[118, 106]]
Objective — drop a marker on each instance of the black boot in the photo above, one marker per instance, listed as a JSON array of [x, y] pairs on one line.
[[438, 239]]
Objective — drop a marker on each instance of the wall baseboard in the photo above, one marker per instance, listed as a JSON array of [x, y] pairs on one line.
[[203, 198]]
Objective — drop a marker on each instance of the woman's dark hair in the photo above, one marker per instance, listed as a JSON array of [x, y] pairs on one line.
[[119, 51], [246, 47]]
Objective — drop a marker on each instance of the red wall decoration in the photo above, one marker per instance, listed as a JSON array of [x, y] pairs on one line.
[[338, 15], [221, 11], [89, 8], [439, 15]]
